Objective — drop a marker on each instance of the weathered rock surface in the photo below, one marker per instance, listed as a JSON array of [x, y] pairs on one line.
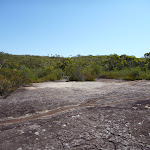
[[101, 115]]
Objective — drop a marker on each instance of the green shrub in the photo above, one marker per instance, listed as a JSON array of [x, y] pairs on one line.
[[55, 74], [10, 80], [106, 75], [89, 78], [134, 73], [111, 75], [51, 77]]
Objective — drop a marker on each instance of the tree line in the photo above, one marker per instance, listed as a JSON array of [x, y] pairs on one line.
[[19, 70]]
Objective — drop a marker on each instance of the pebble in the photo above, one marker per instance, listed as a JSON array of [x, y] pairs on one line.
[[64, 125], [140, 123], [134, 107], [67, 145], [148, 107], [36, 133], [76, 116], [21, 131]]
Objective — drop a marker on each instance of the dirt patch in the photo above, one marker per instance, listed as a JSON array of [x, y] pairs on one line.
[[28, 88], [106, 114]]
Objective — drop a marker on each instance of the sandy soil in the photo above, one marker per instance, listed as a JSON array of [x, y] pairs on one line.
[[100, 115]]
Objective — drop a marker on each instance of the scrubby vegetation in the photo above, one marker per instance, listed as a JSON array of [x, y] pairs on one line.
[[18, 70]]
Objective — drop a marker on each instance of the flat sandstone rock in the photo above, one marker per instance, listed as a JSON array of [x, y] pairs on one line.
[[105, 114]]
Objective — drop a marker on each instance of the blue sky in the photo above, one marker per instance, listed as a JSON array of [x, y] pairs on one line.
[[71, 27]]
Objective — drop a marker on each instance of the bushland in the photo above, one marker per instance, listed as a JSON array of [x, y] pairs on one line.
[[21, 70]]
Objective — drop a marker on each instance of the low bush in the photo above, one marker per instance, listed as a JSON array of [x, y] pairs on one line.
[[89, 78], [10, 80], [132, 74]]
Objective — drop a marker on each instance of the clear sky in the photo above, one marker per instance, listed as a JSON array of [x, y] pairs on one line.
[[71, 27]]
